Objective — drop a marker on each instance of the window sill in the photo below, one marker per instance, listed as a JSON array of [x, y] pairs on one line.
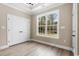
[[57, 37]]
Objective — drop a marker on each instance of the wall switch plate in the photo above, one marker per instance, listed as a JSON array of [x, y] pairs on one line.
[[2, 27], [64, 41], [62, 27]]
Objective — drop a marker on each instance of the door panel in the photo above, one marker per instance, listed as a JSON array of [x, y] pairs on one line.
[[18, 29]]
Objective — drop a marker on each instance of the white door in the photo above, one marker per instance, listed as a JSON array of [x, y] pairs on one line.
[[18, 29]]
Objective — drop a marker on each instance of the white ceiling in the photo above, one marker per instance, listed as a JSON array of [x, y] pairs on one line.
[[36, 8], [32, 5]]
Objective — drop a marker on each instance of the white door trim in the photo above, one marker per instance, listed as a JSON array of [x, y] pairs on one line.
[[74, 17]]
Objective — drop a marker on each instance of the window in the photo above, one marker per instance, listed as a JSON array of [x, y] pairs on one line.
[[48, 24]]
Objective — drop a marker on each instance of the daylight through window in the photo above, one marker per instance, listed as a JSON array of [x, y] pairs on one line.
[[48, 24]]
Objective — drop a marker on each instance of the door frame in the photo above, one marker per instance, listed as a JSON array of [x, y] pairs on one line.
[[74, 17], [7, 31]]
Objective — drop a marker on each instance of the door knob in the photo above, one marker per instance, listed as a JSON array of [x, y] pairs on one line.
[[73, 35], [20, 31]]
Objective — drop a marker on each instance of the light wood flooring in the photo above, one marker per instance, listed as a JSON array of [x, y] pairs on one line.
[[34, 49]]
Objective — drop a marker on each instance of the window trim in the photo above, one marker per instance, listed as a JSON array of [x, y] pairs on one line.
[[45, 14]]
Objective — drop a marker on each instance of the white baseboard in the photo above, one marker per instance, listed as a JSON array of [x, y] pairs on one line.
[[59, 46], [6, 46], [3, 47]]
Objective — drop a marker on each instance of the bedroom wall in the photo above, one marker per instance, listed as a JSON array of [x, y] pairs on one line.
[[65, 20], [4, 10]]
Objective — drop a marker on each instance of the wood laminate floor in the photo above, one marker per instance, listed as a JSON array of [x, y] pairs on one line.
[[34, 49]]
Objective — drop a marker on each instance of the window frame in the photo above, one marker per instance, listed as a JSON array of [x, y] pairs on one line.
[[45, 14]]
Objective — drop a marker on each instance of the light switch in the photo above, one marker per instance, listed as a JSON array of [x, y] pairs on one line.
[[2, 27], [64, 41], [62, 27]]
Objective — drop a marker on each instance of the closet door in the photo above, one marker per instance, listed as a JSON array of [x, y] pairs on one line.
[[18, 29]]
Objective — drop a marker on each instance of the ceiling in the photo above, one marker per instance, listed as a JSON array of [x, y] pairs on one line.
[[32, 8], [32, 5]]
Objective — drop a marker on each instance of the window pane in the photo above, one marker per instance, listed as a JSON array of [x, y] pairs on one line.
[[52, 19], [52, 31], [42, 20], [42, 30]]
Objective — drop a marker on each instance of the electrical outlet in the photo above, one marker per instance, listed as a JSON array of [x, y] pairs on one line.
[[64, 41]]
